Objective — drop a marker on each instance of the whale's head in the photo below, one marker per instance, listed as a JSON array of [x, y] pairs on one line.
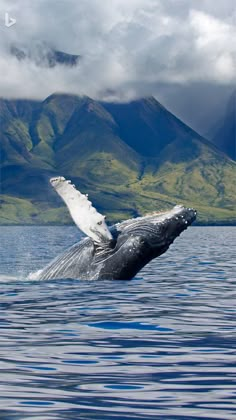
[[140, 240], [159, 230]]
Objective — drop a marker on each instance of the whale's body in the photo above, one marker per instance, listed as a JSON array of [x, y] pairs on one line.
[[120, 252]]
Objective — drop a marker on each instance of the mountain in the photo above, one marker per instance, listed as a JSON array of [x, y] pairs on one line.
[[225, 137], [130, 158], [43, 55], [148, 127]]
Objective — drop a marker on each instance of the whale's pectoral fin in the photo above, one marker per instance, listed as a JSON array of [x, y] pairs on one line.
[[85, 216]]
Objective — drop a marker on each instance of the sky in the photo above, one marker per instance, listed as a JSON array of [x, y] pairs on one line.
[[183, 52]]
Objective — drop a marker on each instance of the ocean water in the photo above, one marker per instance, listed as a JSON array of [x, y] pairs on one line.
[[162, 346]]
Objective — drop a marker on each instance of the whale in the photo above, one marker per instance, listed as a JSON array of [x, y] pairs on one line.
[[118, 252]]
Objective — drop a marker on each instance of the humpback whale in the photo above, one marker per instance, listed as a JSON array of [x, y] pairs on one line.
[[116, 253]]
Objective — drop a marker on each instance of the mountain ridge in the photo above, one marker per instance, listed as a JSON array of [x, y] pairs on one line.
[[157, 162]]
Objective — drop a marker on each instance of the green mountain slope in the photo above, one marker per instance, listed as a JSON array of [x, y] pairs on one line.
[[130, 158]]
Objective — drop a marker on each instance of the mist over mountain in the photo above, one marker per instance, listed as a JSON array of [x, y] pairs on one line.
[[43, 55], [130, 158], [225, 137], [182, 54]]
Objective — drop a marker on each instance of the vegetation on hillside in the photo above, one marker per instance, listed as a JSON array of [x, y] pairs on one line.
[[130, 158]]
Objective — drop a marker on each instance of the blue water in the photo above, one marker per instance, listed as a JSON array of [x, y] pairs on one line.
[[162, 346]]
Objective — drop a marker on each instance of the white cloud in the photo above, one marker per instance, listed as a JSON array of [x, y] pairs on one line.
[[128, 47]]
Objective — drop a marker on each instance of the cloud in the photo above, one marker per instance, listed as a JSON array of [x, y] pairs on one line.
[[183, 52], [127, 47]]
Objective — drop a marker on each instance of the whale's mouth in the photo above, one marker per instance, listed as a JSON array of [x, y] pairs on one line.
[[159, 230], [169, 225]]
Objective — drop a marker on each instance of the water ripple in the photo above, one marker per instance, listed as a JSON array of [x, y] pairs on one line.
[[160, 346]]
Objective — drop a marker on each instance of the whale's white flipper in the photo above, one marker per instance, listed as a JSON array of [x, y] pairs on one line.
[[82, 212]]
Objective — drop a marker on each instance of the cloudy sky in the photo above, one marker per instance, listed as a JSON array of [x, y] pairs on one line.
[[181, 51]]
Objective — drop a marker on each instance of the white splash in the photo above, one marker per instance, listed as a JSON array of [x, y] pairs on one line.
[[34, 275]]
